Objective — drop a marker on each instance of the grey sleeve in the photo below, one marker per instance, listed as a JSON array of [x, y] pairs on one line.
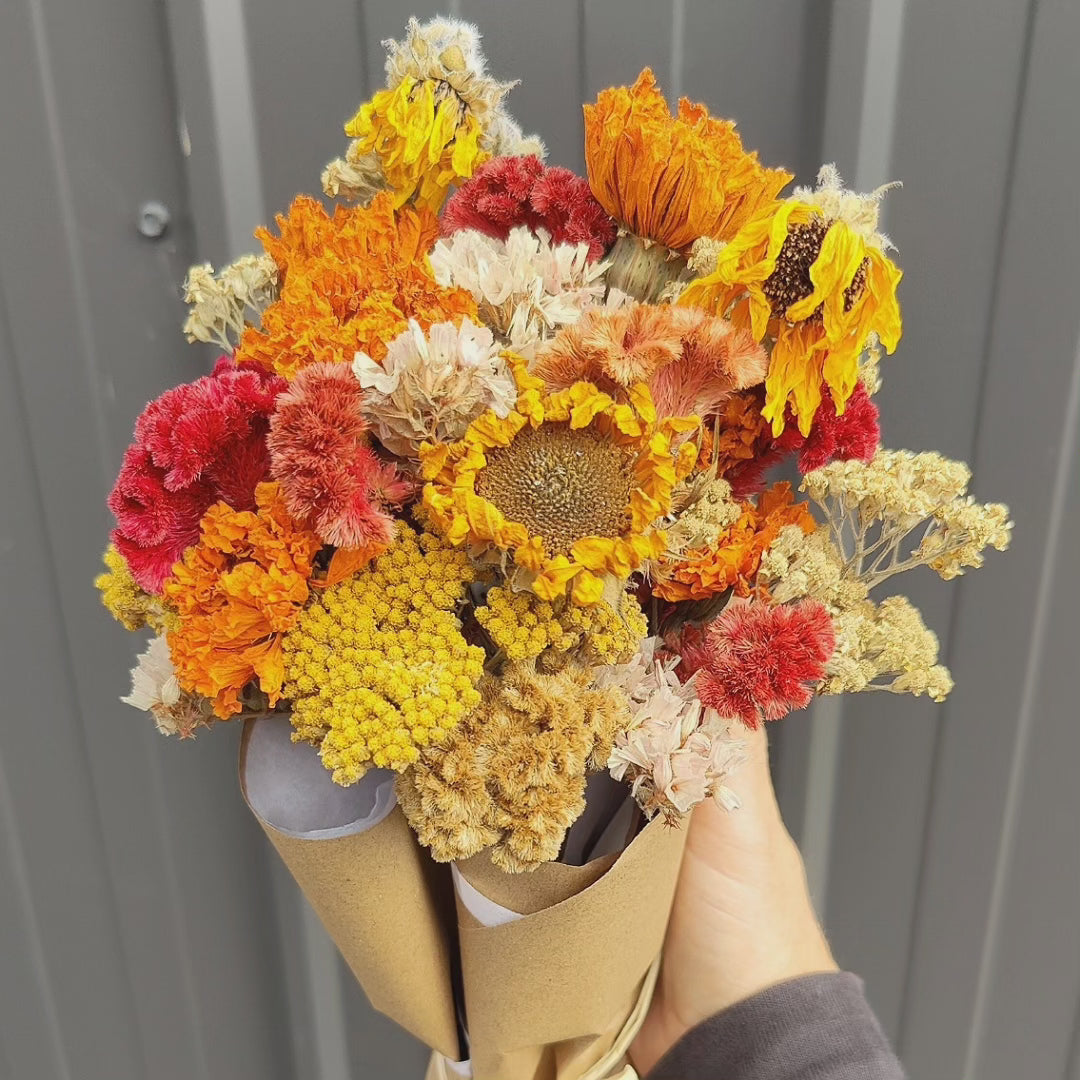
[[818, 1027]]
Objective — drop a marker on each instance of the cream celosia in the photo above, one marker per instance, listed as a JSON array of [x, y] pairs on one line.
[[525, 287], [431, 385], [154, 689], [674, 752], [219, 304]]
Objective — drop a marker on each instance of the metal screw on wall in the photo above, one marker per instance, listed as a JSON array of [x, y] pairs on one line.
[[153, 219]]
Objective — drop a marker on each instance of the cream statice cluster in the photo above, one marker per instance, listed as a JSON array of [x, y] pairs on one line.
[[479, 491]]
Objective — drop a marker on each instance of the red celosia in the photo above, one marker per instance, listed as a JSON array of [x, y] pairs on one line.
[[760, 662], [853, 435], [197, 443], [330, 478], [510, 191]]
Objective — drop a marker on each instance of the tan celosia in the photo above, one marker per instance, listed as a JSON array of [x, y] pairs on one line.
[[512, 775], [220, 303]]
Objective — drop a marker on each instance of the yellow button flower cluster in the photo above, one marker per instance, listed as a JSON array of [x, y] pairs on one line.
[[377, 667], [131, 606], [525, 627]]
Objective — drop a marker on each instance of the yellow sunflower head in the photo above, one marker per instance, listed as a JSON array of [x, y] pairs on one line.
[[569, 484], [811, 273]]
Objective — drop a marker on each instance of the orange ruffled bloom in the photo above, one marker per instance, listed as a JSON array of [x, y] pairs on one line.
[[819, 288], [672, 179], [732, 560], [235, 593], [351, 284]]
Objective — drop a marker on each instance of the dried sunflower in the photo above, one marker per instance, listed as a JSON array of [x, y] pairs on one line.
[[570, 482], [810, 272]]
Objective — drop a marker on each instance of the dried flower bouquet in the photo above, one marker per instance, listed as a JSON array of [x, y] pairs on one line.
[[477, 501]]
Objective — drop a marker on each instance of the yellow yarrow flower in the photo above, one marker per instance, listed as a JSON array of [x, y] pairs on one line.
[[570, 482], [129, 604], [526, 627], [812, 274], [424, 136], [377, 667]]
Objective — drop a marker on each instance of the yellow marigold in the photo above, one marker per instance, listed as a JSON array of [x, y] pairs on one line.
[[733, 557], [810, 272], [513, 773], [570, 482], [671, 179], [526, 627], [130, 605], [236, 592], [351, 283], [377, 667]]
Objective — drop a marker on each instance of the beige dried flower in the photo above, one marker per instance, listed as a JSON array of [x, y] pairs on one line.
[[155, 690], [432, 384], [219, 304], [512, 774]]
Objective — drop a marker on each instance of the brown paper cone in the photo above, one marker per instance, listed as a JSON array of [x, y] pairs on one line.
[[548, 995], [389, 910]]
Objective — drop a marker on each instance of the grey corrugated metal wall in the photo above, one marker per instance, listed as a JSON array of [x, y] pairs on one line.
[[145, 931]]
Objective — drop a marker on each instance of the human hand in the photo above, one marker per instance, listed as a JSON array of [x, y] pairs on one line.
[[742, 919]]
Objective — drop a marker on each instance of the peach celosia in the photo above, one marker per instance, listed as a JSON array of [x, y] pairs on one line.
[[236, 592], [733, 558], [690, 361], [351, 284], [671, 179]]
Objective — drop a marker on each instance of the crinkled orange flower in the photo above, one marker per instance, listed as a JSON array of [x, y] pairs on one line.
[[351, 284], [569, 482], [732, 560], [671, 179], [235, 593], [817, 284]]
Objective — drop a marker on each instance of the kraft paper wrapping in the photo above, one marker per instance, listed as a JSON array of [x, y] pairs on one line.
[[387, 906], [552, 995]]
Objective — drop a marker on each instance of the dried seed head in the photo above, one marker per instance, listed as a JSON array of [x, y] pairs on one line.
[[790, 280], [561, 484]]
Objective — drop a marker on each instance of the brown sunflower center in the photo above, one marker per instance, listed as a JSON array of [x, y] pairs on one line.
[[560, 484], [790, 280]]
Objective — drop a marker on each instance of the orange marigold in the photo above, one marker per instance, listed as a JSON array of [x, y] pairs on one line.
[[671, 179], [235, 593], [351, 282], [736, 435], [732, 560]]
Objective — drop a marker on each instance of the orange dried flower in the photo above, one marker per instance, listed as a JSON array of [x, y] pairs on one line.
[[671, 179], [235, 593], [739, 430], [732, 560], [351, 284]]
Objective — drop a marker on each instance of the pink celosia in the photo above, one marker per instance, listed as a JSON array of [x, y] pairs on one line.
[[330, 477], [760, 662], [510, 191], [197, 443]]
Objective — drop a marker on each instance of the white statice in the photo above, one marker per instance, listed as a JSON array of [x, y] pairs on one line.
[[220, 304], [431, 385], [675, 752], [155, 690], [525, 287]]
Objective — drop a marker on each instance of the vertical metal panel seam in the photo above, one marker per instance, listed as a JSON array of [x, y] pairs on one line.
[[1025, 722], [32, 933], [884, 42], [678, 37], [957, 599]]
